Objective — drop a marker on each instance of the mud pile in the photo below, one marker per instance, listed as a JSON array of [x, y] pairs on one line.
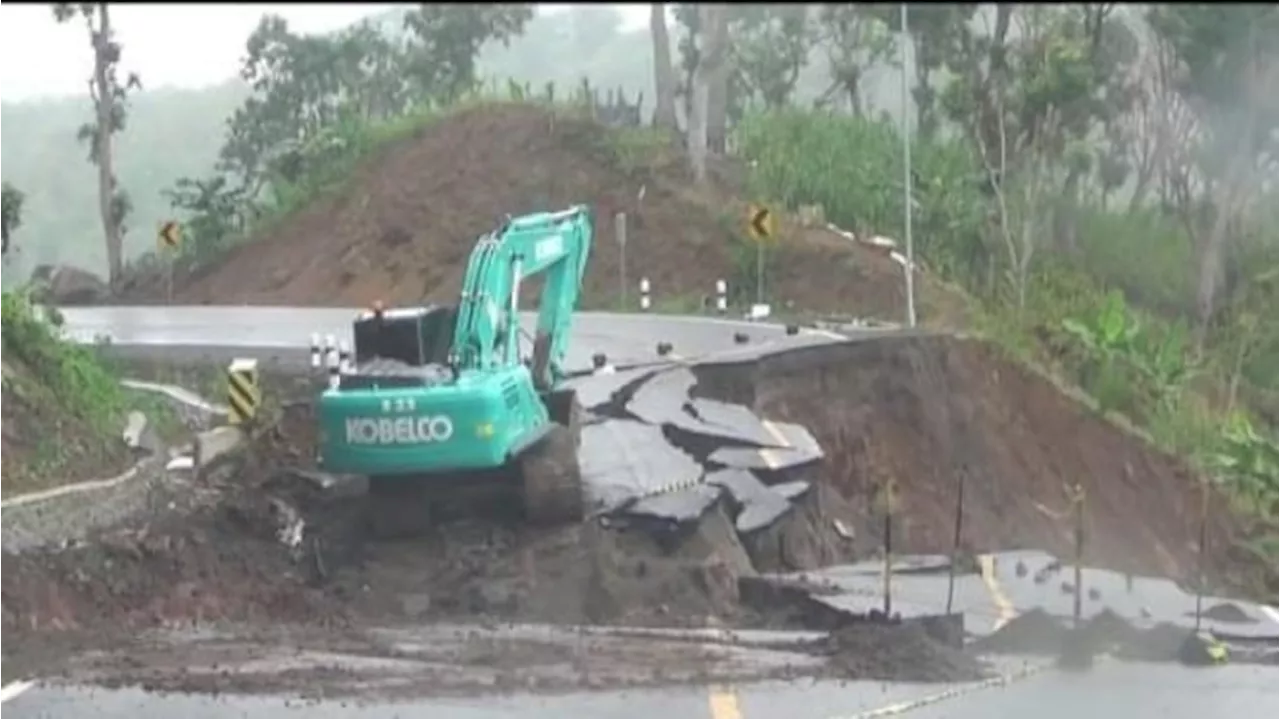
[[402, 226], [899, 651], [923, 410], [1037, 633]]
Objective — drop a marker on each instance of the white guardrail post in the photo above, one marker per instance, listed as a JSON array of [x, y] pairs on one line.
[[644, 294]]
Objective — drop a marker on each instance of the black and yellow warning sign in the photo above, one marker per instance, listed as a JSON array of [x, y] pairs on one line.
[[759, 223], [170, 235], [244, 392]]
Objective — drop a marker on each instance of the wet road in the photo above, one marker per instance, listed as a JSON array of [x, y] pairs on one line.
[[769, 699], [286, 331], [1128, 691]]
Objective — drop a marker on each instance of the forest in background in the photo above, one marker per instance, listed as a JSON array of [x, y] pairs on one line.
[[168, 130]]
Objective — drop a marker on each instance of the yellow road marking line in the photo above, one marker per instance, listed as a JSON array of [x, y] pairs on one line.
[[1003, 606], [724, 703], [766, 453], [953, 693]]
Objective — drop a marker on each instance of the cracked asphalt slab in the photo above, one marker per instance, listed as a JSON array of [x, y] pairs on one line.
[[1018, 582]]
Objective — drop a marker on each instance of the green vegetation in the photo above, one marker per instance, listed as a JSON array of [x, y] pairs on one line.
[[60, 403], [64, 406], [72, 374], [1037, 195]]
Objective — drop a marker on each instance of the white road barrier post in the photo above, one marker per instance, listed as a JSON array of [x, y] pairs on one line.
[[644, 294], [722, 300], [317, 361], [331, 360], [345, 365]]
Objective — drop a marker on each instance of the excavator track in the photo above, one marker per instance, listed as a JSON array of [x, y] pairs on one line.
[[551, 479], [547, 479]]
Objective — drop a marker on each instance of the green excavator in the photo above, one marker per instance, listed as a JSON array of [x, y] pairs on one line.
[[440, 401]]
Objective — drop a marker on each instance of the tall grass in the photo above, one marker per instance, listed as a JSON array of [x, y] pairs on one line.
[[853, 168]]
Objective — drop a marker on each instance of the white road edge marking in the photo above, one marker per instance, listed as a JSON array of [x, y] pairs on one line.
[[70, 489], [13, 689], [1272, 613]]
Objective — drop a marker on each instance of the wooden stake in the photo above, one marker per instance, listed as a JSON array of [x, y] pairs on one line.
[[955, 540]]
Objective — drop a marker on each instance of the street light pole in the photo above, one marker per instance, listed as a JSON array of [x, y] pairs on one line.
[[906, 172]]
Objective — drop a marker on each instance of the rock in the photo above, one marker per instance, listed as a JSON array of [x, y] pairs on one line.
[[139, 435], [218, 447], [67, 285]]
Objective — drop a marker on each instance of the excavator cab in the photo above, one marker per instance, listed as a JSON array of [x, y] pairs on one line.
[[416, 336]]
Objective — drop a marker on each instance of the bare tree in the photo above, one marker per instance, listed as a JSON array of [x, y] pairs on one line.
[[664, 74], [711, 58], [716, 24], [108, 95], [1020, 171]]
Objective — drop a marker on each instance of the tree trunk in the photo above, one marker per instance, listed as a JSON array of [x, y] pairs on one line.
[[697, 129], [664, 75], [103, 101], [716, 27], [703, 76], [1210, 265], [1066, 233]]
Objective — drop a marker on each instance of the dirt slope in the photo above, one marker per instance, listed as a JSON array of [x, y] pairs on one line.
[[406, 222], [403, 226], [921, 410]]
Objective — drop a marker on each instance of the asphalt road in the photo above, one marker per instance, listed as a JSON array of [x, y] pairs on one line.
[[270, 332], [1124, 691]]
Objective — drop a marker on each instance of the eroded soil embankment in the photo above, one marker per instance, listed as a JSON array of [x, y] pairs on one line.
[[923, 410]]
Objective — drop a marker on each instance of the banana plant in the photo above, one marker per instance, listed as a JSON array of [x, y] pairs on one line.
[[1164, 361], [1248, 461], [1110, 332]]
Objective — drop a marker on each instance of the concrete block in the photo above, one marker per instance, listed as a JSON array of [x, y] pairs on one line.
[[217, 446]]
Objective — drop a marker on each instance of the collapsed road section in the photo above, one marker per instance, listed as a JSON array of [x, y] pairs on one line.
[[701, 514]]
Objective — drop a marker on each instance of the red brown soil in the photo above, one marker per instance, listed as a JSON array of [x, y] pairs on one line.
[[403, 225], [922, 410]]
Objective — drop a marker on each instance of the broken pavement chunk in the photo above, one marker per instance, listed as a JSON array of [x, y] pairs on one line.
[[759, 505], [622, 459], [598, 389], [680, 506], [658, 400], [762, 458], [733, 420]]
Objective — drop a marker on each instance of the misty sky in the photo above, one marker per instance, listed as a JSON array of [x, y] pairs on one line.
[[175, 45]]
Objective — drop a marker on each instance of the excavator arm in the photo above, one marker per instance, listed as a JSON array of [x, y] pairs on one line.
[[486, 333]]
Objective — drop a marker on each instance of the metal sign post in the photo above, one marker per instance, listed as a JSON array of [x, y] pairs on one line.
[[167, 241], [760, 226], [906, 174], [620, 232]]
